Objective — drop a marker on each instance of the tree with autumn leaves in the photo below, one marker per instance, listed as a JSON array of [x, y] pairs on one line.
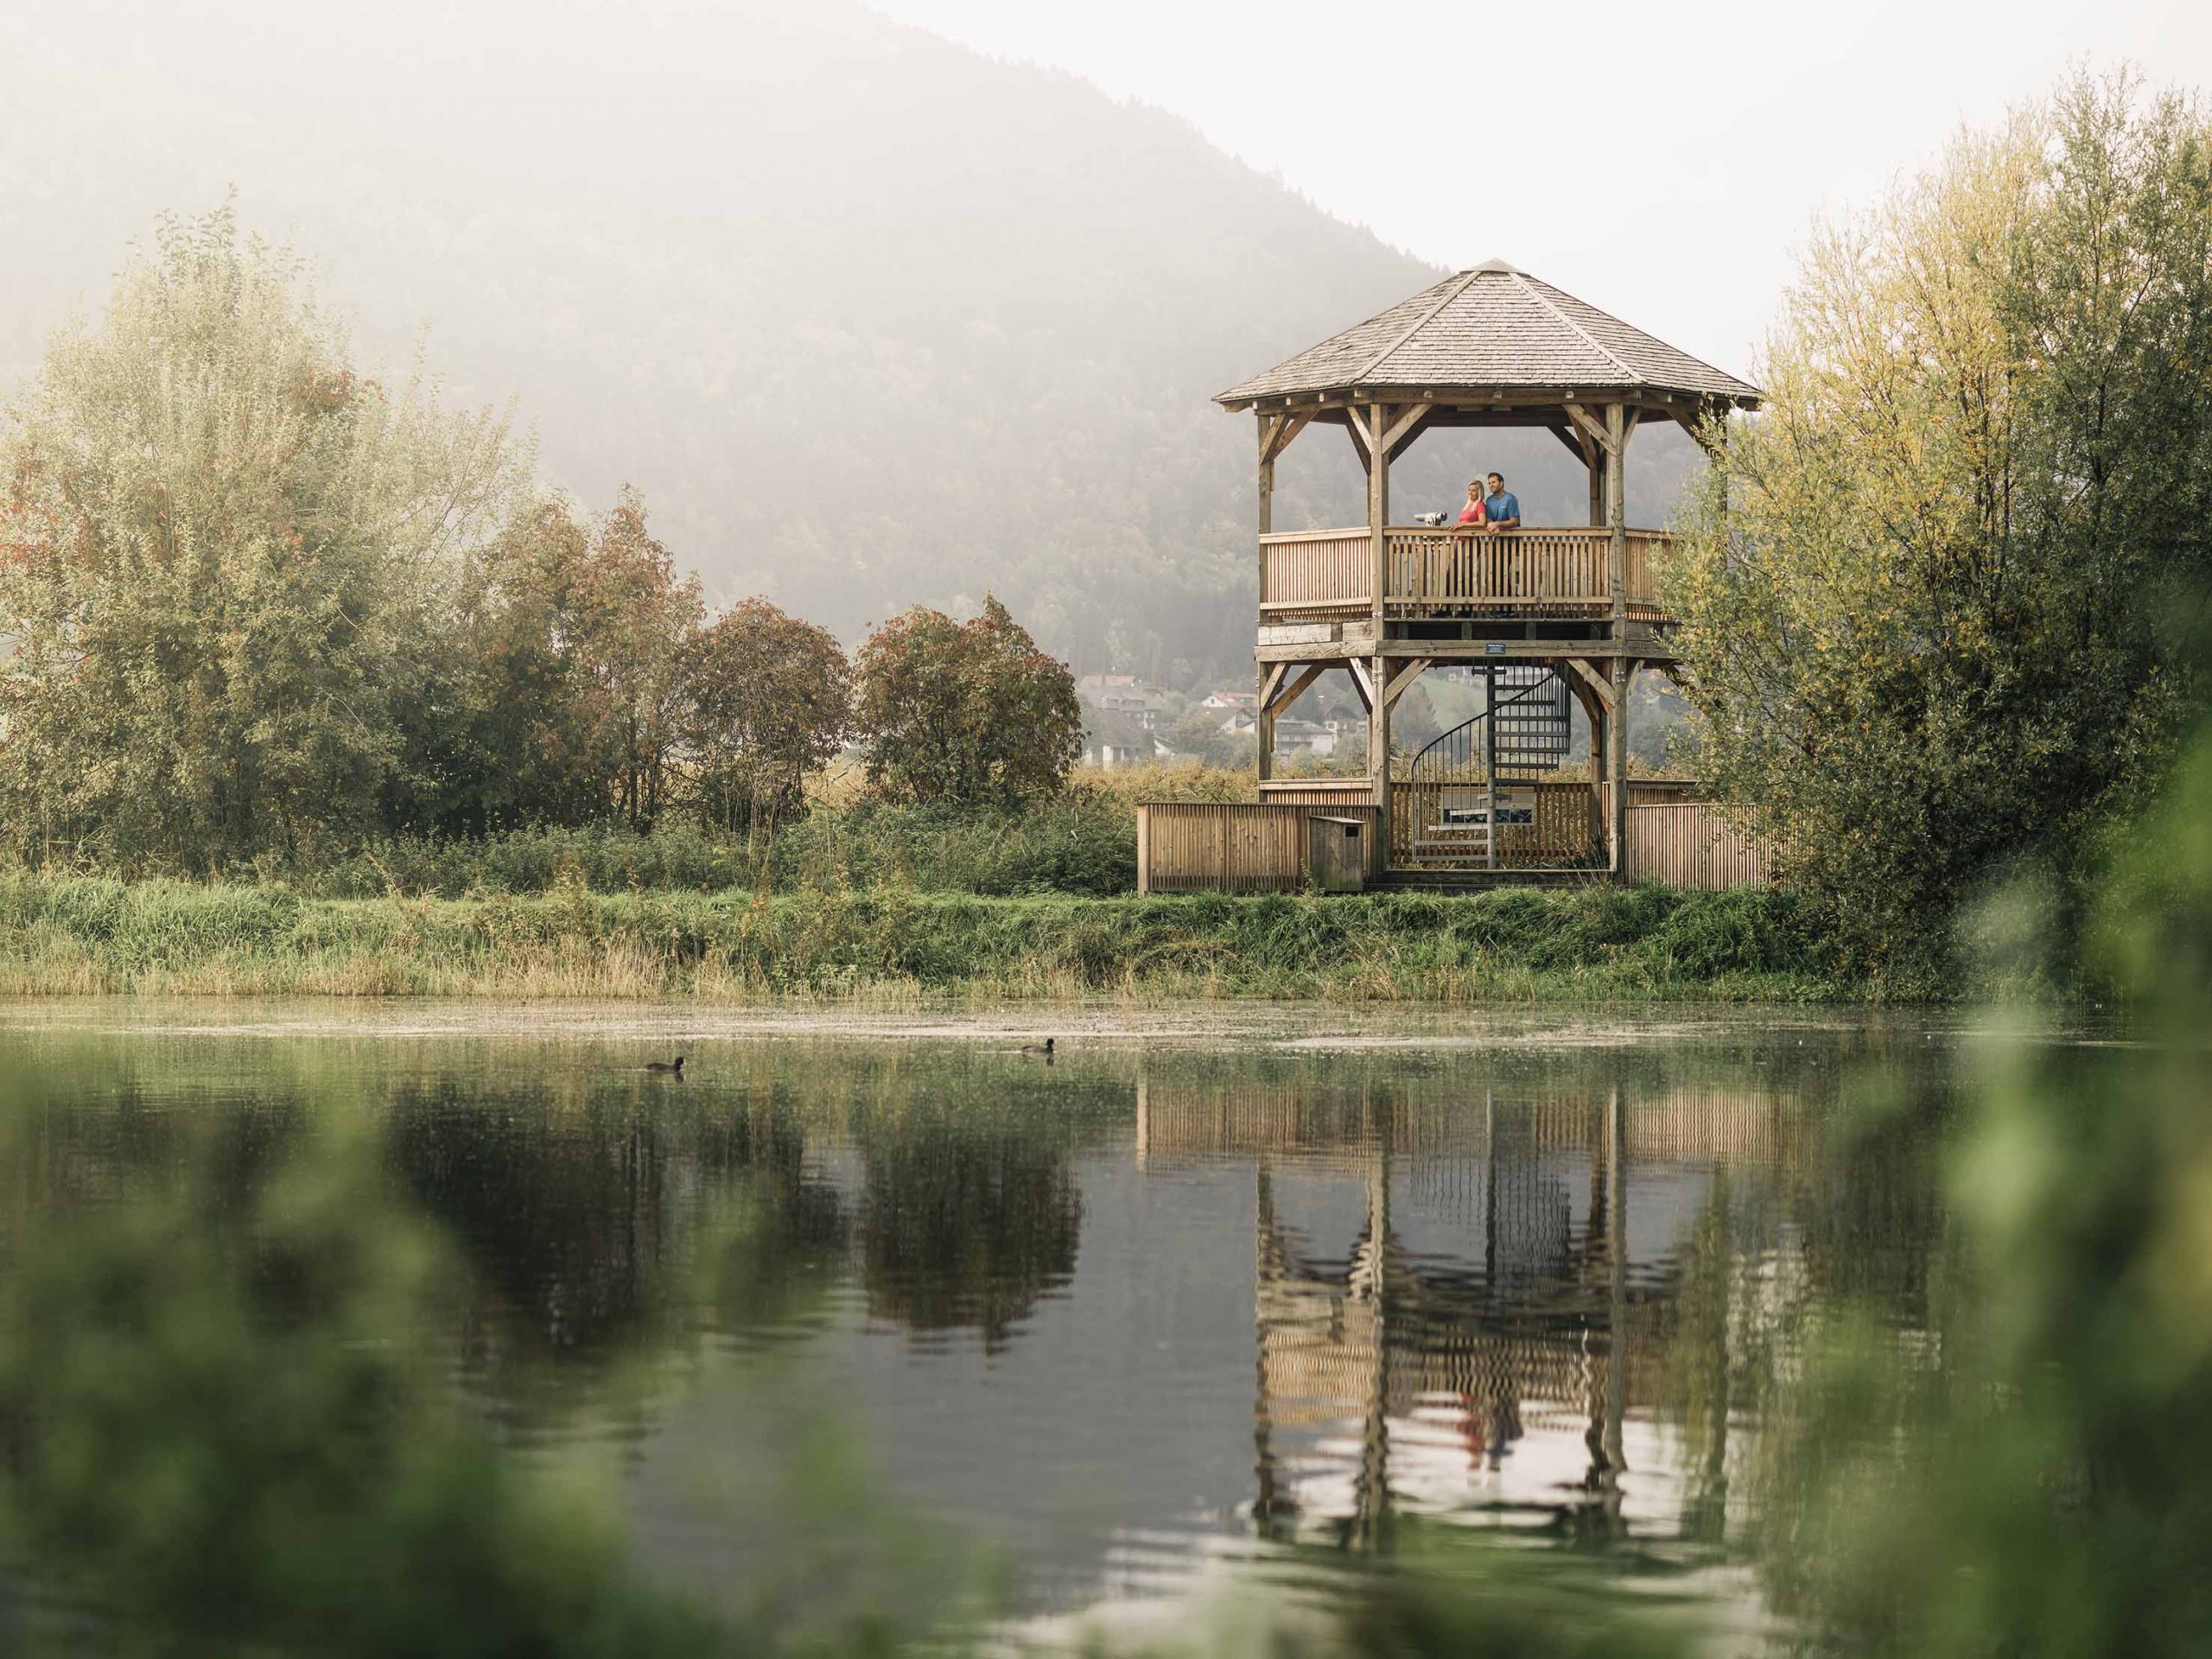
[[254, 602], [769, 701], [965, 713]]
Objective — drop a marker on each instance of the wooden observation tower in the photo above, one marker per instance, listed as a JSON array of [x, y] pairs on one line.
[[1543, 614]]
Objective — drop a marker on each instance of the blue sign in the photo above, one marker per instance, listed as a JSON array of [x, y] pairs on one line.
[[1495, 648]]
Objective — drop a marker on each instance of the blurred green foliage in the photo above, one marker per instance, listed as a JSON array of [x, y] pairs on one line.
[[2018, 1471], [230, 1430], [1942, 600]]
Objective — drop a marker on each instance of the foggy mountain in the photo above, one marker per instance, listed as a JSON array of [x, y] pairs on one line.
[[873, 320]]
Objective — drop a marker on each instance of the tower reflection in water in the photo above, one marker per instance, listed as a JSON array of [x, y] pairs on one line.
[[1464, 1305]]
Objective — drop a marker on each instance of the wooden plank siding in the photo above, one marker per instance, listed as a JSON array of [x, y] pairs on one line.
[[1563, 835], [1248, 847], [1690, 844], [1529, 572], [1230, 847], [1341, 797]]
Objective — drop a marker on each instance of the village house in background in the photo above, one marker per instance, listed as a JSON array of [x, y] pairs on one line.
[[1112, 740], [1123, 716], [1125, 695], [1550, 620], [1314, 737]]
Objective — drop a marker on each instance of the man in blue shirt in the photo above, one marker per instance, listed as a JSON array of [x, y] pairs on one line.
[[1501, 506]]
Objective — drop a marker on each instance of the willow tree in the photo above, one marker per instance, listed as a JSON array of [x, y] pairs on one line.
[[1937, 600], [225, 564]]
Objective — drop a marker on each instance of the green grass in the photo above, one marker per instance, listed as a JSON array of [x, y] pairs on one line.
[[1082, 841], [61, 934]]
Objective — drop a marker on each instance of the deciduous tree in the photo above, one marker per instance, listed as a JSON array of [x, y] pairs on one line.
[[770, 698], [226, 562], [1938, 597], [636, 622], [967, 713]]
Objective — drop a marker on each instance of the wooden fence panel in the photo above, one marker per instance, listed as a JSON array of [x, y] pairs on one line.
[[1689, 844], [1320, 570], [1228, 847], [1339, 797], [1562, 835], [1242, 847]]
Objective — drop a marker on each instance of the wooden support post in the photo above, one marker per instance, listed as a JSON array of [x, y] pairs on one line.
[[1490, 760], [1623, 672], [1271, 440], [1378, 746], [1616, 764], [1591, 691], [1378, 507], [1616, 512], [1270, 431]]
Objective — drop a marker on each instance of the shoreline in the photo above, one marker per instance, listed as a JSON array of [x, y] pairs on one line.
[[893, 947]]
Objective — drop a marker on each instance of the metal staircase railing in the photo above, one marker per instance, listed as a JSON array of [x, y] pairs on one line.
[[1455, 781]]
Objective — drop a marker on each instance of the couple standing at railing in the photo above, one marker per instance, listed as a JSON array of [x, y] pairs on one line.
[[1499, 510]]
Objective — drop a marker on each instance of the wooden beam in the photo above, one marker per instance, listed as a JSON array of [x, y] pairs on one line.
[[1404, 677], [1592, 425], [1279, 432], [1269, 679], [1576, 445], [1594, 680], [1362, 681], [1288, 694], [1692, 421], [1362, 438], [1402, 428]]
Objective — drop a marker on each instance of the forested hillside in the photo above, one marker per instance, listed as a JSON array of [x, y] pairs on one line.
[[870, 319]]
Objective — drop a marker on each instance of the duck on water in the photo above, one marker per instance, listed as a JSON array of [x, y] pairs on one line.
[[667, 1068]]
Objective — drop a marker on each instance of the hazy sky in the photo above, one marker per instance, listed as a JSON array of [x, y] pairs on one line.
[[1462, 129]]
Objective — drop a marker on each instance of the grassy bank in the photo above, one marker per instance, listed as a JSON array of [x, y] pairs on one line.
[[80, 936]]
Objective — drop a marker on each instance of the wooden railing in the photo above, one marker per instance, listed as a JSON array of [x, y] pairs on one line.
[[1315, 570], [1562, 833], [1320, 572]]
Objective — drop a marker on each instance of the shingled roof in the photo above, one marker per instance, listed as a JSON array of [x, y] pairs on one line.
[[1493, 330]]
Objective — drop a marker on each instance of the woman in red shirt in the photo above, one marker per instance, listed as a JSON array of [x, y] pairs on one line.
[[1473, 517]]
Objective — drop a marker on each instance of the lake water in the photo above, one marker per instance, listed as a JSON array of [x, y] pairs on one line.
[[1211, 1297]]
